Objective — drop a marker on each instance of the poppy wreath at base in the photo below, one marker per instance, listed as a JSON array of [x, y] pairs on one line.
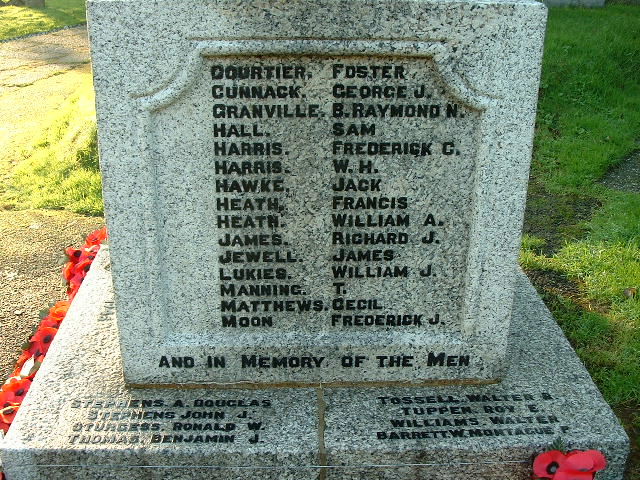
[[13, 391], [573, 465]]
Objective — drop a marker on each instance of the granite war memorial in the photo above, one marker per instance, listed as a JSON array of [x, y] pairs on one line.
[[314, 212]]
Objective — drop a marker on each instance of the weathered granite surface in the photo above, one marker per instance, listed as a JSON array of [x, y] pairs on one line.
[[333, 184], [80, 421], [488, 431]]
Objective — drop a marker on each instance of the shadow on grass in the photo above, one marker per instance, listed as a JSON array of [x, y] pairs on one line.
[[557, 217], [19, 21]]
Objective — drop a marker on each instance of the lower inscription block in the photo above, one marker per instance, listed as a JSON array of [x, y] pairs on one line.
[[80, 421], [478, 432]]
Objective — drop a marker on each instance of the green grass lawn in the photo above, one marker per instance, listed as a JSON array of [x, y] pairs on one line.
[[582, 247], [588, 121], [56, 164], [18, 21]]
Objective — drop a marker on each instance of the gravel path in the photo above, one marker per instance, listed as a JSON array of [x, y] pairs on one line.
[[27, 60], [36, 76], [626, 176], [31, 258]]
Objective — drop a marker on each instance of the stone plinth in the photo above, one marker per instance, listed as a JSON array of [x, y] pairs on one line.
[[330, 184], [80, 421]]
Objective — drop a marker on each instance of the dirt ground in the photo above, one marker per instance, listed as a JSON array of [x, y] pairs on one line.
[[31, 257]]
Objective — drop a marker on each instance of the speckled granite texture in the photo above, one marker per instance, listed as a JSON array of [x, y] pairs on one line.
[[89, 425], [81, 422], [314, 192]]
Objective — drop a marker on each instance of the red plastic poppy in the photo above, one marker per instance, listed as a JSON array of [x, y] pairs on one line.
[[76, 280], [588, 461], [74, 286], [575, 465], [97, 237], [67, 271], [83, 266], [50, 322], [8, 412], [41, 340], [16, 371], [573, 475], [18, 387], [59, 310], [88, 253], [92, 250], [74, 283], [24, 356], [548, 463], [7, 398], [44, 335], [73, 254], [55, 316]]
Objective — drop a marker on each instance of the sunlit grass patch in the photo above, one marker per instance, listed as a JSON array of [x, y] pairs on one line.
[[607, 269], [59, 169], [599, 310]]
